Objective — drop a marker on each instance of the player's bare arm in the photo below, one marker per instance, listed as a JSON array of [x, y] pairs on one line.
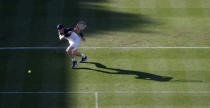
[[61, 37], [82, 36]]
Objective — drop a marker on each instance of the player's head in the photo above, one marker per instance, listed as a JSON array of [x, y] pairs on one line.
[[60, 28]]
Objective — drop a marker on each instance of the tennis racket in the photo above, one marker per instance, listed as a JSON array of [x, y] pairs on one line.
[[81, 25]]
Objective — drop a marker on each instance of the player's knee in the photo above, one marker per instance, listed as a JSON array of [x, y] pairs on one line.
[[74, 52], [68, 51]]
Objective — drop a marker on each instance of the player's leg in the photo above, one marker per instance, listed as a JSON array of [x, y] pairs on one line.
[[69, 52], [83, 57], [76, 53], [75, 46]]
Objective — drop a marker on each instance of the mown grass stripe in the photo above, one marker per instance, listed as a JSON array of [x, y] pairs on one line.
[[186, 67], [177, 3], [193, 4], [1, 4], [172, 68], [194, 8], [158, 67], [178, 9], [7, 18], [70, 12], [146, 9], [8, 14], [147, 4], [50, 79], [143, 64], [20, 24], [54, 14], [205, 3], [163, 8], [38, 21], [14, 76], [195, 71], [149, 85]]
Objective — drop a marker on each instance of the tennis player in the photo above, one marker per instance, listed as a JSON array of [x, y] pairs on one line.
[[73, 36]]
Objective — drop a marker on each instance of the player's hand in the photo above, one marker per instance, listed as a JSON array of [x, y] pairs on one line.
[[83, 38], [61, 37]]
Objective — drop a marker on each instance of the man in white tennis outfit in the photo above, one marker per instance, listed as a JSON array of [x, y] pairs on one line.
[[72, 35]]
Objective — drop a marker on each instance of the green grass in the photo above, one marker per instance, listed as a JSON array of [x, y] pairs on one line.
[[159, 78], [142, 22], [140, 74], [167, 23], [181, 64]]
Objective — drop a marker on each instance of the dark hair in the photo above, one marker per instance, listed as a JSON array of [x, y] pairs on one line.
[[60, 26]]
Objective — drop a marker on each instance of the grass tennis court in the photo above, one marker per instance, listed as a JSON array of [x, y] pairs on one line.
[[137, 78], [112, 77]]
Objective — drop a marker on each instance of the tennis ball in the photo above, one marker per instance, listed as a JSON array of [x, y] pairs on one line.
[[29, 71]]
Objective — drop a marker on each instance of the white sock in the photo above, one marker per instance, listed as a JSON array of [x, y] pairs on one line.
[[83, 55], [74, 59]]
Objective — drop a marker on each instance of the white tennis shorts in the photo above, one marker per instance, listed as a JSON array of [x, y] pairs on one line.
[[74, 41]]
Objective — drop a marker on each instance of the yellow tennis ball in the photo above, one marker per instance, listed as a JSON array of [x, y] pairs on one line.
[[29, 71]]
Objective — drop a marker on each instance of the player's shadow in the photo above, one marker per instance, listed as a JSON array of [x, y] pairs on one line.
[[139, 74]]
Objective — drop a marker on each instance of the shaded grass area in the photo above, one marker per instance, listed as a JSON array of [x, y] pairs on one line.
[[34, 22], [50, 71]]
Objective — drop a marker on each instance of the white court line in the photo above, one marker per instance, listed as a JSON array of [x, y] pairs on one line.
[[45, 92], [140, 47], [110, 92], [96, 97], [39, 48], [29, 48]]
